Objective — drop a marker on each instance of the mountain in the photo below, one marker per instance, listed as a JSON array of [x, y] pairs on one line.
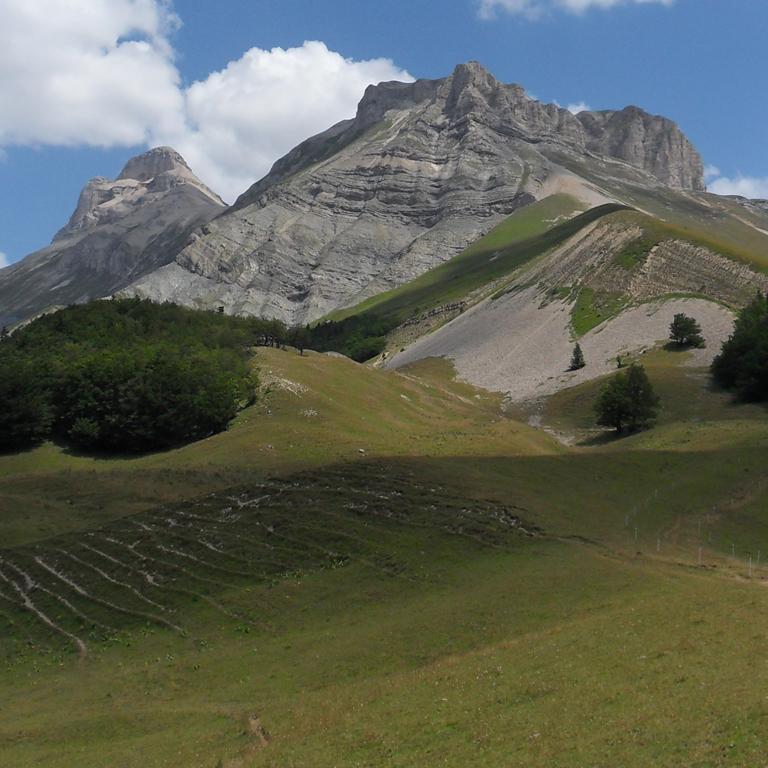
[[120, 230], [422, 171]]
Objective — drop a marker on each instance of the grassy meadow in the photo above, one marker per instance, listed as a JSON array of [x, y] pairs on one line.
[[383, 569]]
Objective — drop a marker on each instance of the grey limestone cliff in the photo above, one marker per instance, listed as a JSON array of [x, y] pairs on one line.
[[120, 230], [421, 171]]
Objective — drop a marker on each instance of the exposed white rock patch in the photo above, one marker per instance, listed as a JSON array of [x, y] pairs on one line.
[[522, 347]]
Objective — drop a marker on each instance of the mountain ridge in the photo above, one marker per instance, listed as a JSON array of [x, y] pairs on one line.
[[423, 170]]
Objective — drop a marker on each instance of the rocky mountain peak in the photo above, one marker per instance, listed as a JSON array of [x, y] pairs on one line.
[[121, 229], [470, 87], [422, 170], [152, 163], [144, 178], [472, 76], [646, 141]]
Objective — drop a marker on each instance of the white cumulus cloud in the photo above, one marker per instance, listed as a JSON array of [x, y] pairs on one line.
[[534, 9], [753, 187], [4, 262], [711, 172], [103, 73], [579, 106], [96, 72], [241, 119]]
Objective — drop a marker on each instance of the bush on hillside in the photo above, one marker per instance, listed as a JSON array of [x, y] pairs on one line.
[[628, 401], [742, 365], [360, 337], [685, 331]]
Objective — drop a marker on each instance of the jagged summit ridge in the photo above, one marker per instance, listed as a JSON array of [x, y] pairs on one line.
[[422, 170], [648, 142], [143, 178], [471, 94], [120, 230]]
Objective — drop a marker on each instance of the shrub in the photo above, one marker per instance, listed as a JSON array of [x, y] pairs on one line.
[[685, 331], [627, 401], [742, 364]]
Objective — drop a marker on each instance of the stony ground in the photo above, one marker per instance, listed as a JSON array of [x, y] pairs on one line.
[[521, 346]]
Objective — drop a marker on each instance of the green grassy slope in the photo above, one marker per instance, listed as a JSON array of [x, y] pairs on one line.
[[722, 223], [393, 616], [719, 231], [492, 264], [525, 235], [319, 409]]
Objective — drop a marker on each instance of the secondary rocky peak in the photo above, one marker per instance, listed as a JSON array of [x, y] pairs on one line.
[[152, 163], [380, 99], [646, 141], [120, 230], [144, 179], [470, 87]]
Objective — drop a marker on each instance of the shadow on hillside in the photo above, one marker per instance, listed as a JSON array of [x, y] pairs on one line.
[[674, 347], [604, 438], [384, 513]]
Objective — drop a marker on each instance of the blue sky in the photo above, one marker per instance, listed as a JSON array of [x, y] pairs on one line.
[[84, 89]]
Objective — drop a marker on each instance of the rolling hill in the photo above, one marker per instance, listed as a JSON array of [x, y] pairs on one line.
[[382, 567]]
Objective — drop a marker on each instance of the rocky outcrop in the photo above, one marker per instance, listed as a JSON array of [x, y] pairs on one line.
[[422, 170], [671, 266], [654, 144], [120, 230]]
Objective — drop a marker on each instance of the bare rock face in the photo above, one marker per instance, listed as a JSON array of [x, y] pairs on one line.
[[652, 143], [422, 170], [120, 230]]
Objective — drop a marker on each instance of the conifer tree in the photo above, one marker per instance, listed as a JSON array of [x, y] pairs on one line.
[[627, 401], [577, 359]]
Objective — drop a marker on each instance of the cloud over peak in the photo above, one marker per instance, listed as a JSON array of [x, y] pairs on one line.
[[241, 119], [102, 73]]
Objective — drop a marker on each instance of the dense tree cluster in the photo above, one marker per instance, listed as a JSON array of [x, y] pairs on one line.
[[126, 375], [742, 364], [360, 337], [25, 411], [627, 401]]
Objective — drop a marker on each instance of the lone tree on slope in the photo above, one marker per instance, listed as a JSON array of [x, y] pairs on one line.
[[577, 359], [627, 401], [300, 337], [685, 331]]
